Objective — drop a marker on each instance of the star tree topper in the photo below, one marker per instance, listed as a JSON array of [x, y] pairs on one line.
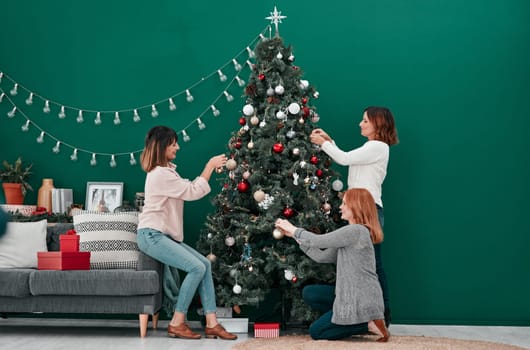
[[276, 17]]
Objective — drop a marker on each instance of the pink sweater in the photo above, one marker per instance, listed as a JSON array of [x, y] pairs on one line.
[[165, 193]]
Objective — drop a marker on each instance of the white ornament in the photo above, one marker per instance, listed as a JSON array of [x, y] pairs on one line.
[[288, 274], [280, 115], [277, 234], [250, 145], [294, 108], [248, 110], [295, 177], [316, 94], [211, 257], [246, 175], [279, 90], [337, 185], [270, 91], [296, 151], [254, 120], [290, 134], [291, 58], [231, 164], [230, 241], [279, 56], [315, 118], [259, 196], [237, 289], [304, 84], [302, 164], [210, 235], [262, 124]]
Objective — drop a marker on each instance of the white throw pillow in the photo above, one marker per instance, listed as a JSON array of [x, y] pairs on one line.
[[109, 237], [21, 242]]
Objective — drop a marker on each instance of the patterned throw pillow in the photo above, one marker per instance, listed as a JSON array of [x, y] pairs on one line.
[[110, 237]]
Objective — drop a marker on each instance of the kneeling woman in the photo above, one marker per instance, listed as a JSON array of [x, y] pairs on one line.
[[355, 304]]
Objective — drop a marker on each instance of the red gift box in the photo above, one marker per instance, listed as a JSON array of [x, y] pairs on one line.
[[63, 260], [69, 243], [266, 330]]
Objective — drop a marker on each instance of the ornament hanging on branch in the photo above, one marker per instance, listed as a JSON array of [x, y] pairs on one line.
[[277, 234]]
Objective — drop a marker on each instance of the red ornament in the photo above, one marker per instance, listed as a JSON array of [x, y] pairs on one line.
[[225, 186], [319, 172], [295, 67], [294, 279], [243, 186], [288, 212], [313, 160], [304, 100], [242, 121], [261, 76], [237, 144], [278, 148], [306, 111]]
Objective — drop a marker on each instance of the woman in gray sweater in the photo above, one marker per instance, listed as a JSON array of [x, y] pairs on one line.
[[355, 304]]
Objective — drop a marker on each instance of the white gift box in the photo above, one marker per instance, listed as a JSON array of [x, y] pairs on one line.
[[234, 325]]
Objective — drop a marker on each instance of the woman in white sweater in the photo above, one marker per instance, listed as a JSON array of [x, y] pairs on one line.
[[160, 229], [356, 299], [367, 168]]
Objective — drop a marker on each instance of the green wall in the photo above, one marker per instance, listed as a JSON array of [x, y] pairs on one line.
[[455, 73]]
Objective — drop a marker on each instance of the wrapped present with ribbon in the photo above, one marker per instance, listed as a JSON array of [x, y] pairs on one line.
[[69, 241]]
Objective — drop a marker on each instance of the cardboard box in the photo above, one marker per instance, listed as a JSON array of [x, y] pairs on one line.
[[266, 330], [63, 260], [69, 243], [234, 325]]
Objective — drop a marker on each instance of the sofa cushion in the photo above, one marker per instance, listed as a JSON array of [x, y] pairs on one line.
[[53, 233], [15, 282], [94, 282], [21, 242], [110, 237]]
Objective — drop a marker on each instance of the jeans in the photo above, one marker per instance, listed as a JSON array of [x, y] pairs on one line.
[[320, 298], [381, 275], [183, 257]]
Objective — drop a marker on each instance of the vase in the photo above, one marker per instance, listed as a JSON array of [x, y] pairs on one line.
[[44, 198]]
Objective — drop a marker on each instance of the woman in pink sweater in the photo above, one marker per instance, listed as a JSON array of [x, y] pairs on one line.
[[160, 228]]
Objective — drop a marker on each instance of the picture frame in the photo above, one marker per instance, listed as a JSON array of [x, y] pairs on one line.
[[103, 196]]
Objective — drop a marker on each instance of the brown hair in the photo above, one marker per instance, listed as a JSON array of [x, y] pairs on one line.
[[383, 121], [362, 205], [156, 142]]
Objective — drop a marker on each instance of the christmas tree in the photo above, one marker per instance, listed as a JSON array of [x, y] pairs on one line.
[[273, 171]]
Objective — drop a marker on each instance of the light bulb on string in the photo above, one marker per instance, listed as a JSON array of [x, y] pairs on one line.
[[93, 160], [57, 147], [80, 118], [1, 76], [237, 66], [250, 65], [132, 160], [29, 100], [262, 37], [136, 116], [172, 105], [14, 90], [2, 97], [25, 127], [201, 125], [251, 53], [40, 139], [185, 136], [62, 113], [73, 156], [222, 76], [112, 162], [46, 108], [116, 120], [240, 81], [215, 111], [12, 112], [97, 121], [229, 97], [154, 112], [189, 96]]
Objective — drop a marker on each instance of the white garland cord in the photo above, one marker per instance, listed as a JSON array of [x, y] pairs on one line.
[[47, 102]]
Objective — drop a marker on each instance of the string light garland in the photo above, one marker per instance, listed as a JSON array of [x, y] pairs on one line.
[[64, 109]]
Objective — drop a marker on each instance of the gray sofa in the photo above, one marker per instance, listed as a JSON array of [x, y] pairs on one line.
[[84, 292]]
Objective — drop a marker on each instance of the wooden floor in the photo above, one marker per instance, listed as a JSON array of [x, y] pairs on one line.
[[79, 334]]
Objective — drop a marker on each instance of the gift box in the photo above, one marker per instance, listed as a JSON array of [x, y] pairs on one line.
[[63, 260], [266, 330], [234, 325], [69, 242]]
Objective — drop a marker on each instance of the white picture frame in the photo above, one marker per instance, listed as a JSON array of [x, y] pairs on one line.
[[103, 196]]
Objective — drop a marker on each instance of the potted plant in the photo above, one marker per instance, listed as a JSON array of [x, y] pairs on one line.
[[14, 181]]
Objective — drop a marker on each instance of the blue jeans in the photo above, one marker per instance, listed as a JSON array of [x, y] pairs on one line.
[[183, 257], [320, 297]]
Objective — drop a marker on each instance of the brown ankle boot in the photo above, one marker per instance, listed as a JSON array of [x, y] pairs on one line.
[[219, 331], [182, 331]]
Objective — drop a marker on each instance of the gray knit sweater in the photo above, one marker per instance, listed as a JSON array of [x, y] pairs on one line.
[[358, 296]]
